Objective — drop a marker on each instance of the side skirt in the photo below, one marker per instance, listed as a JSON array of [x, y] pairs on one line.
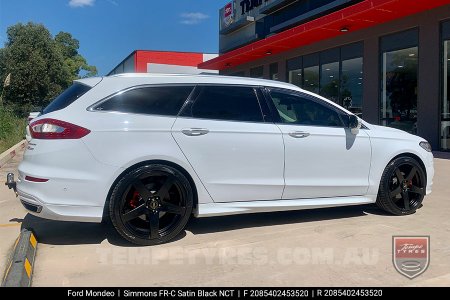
[[246, 207]]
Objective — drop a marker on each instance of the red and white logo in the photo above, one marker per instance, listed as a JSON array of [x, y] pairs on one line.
[[228, 14], [411, 254], [228, 10]]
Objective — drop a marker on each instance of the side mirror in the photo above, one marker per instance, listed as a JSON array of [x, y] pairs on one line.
[[354, 124]]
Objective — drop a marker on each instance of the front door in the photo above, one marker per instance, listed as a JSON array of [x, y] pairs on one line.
[[323, 157]]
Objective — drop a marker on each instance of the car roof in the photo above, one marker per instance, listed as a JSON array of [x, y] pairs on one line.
[[153, 78]]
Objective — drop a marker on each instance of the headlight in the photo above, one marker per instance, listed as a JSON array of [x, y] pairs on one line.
[[426, 146]]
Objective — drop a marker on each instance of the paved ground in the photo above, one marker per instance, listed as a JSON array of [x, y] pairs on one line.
[[11, 213], [340, 246]]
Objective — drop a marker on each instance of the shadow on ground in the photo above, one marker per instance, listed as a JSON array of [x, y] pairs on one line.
[[74, 233]]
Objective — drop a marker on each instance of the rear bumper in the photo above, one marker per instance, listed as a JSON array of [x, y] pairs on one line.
[[77, 185], [72, 213]]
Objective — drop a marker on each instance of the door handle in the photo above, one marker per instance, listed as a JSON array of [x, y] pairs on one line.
[[299, 134], [195, 131]]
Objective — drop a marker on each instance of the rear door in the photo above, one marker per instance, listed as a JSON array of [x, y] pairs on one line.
[[235, 152]]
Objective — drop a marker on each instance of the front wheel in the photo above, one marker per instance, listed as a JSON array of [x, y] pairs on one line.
[[151, 204], [402, 187]]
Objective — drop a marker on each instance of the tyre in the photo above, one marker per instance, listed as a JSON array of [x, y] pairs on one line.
[[402, 187], [151, 204]]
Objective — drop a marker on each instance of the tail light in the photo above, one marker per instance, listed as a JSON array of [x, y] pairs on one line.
[[51, 129]]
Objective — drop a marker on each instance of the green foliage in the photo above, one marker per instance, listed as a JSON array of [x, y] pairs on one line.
[[74, 62], [41, 66], [12, 129]]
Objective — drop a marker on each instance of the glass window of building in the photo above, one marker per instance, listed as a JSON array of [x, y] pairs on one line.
[[257, 72], [399, 63], [311, 73], [294, 68], [445, 102], [336, 74], [238, 74], [273, 71], [329, 70], [351, 92]]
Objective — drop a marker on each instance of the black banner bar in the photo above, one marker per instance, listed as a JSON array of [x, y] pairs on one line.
[[223, 293]]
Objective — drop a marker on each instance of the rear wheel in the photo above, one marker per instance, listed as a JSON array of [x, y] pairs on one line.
[[151, 204], [402, 187]]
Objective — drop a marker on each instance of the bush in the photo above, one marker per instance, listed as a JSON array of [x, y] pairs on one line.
[[12, 128]]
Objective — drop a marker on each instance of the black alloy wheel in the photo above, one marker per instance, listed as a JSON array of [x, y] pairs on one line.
[[402, 187], [151, 204]]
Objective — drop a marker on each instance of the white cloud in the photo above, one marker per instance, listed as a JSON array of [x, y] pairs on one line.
[[113, 2], [81, 3], [193, 18]]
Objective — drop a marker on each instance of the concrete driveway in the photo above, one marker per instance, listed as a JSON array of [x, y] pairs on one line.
[[12, 212], [350, 246]]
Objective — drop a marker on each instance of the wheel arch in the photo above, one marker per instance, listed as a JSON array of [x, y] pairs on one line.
[[146, 162], [414, 156], [384, 196]]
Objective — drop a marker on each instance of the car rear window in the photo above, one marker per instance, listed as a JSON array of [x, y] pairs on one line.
[[161, 100], [67, 97]]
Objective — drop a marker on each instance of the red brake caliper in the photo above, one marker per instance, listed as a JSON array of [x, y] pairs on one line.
[[410, 184], [134, 201]]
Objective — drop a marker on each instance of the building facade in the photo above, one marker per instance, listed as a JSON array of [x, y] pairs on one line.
[[385, 60], [168, 62]]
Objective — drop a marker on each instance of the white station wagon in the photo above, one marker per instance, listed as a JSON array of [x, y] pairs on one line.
[[149, 151]]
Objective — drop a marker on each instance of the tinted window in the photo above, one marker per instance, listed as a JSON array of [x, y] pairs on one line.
[[295, 109], [227, 103], [165, 100], [74, 92]]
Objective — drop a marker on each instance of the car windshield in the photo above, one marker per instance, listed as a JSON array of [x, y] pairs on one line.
[[67, 97]]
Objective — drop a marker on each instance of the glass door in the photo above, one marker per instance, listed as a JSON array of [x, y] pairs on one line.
[[399, 81], [273, 71], [352, 78], [445, 102], [257, 72], [311, 73], [330, 73]]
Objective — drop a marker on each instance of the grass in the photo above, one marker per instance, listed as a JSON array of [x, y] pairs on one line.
[[12, 129]]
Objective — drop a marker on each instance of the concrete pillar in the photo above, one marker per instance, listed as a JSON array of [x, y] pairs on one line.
[[428, 101], [371, 67]]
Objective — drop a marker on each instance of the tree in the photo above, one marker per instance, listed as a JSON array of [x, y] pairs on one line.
[[74, 62], [41, 66]]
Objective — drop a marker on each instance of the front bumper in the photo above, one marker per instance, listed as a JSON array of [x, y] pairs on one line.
[[429, 165]]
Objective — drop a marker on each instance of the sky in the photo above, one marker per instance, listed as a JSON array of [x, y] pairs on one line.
[[109, 30]]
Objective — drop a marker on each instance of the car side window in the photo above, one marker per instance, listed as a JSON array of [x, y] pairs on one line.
[[296, 109], [161, 100], [229, 103]]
